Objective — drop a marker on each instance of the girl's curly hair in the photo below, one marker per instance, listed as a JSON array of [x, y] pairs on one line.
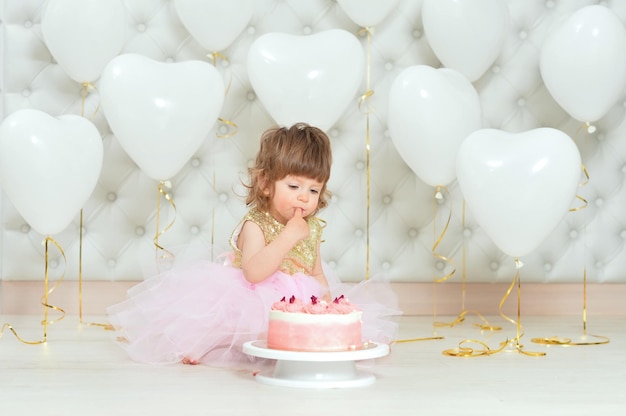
[[300, 150]]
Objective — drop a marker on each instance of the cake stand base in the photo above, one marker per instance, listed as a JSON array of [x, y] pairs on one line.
[[319, 370]]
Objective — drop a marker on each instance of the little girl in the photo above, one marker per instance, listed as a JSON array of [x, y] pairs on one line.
[[205, 311]]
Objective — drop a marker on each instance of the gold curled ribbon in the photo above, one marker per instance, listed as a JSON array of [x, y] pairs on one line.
[[514, 282], [86, 86], [463, 351], [48, 291], [364, 98], [163, 254], [44, 298], [231, 126], [400, 341], [438, 195], [587, 128], [567, 342], [580, 198]]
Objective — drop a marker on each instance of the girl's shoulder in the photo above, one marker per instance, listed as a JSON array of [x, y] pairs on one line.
[[268, 225], [316, 225]]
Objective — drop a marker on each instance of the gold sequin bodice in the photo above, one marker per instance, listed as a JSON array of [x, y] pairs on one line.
[[301, 258]]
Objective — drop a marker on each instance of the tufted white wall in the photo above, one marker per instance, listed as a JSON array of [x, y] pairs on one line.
[[119, 219]]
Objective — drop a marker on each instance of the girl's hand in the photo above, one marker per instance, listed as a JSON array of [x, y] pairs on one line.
[[297, 227]]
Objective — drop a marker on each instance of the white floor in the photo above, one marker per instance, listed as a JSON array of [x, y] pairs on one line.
[[80, 371]]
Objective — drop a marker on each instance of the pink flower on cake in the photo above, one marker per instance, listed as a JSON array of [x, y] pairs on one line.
[[316, 307], [292, 305], [340, 305]]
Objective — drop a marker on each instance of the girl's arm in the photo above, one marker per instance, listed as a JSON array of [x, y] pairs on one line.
[[259, 261]]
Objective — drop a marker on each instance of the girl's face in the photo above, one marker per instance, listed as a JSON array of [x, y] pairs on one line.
[[292, 193]]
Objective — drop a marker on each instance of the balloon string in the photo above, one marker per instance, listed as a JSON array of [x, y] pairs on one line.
[[368, 92], [567, 342], [214, 55], [232, 129], [364, 99], [163, 254], [367, 225], [464, 259], [461, 317], [214, 187], [231, 126], [83, 93], [437, 196], [105, 326], [605, 340], [485, 326], [44, 298], [515, 282], [584, 169], [517, 344], [85, 87]]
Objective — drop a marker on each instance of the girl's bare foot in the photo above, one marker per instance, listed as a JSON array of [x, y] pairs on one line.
[[189, 361]]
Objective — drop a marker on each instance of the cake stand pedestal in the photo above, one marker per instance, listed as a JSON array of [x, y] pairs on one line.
[[321, 370]]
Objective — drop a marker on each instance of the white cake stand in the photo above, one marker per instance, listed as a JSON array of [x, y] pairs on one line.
[[322, 370]]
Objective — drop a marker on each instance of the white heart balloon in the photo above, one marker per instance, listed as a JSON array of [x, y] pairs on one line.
[[519, 186], [49, 166], [583, 62], [160, 112], [431, 111], [466, 35], [214, 24], [367, 13], [308, 78], [84, 35]]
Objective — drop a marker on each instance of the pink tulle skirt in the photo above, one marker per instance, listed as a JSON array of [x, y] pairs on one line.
[[206, 311]]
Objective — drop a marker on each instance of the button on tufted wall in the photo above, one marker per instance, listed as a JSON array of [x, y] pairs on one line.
[[406, 219]]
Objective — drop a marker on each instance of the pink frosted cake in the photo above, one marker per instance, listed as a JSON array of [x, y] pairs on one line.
[[314, 326]]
